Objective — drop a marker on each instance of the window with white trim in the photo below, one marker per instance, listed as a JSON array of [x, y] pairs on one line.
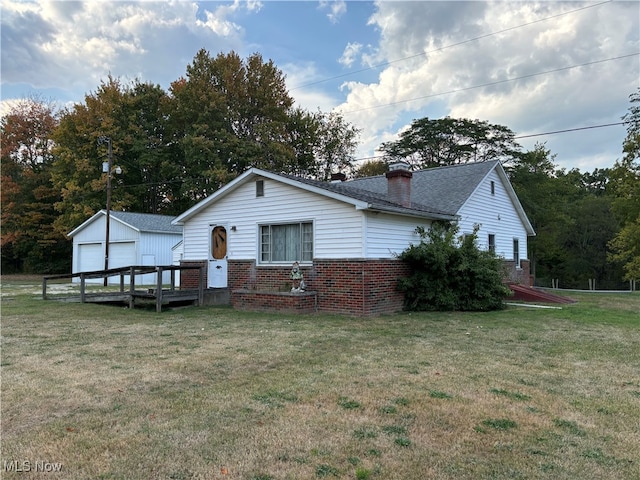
[[492, 242], [286, 243], [516, 252]]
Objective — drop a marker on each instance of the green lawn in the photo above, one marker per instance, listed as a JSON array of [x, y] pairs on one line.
[[211, 393]]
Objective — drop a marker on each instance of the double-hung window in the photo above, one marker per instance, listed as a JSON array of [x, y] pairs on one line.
[[516, 252], [492, 243], [286, 243]]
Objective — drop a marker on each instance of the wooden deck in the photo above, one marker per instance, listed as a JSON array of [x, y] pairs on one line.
[[160, 294]]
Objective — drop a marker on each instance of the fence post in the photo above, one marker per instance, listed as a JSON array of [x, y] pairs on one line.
[[159, 289], [201, 286], [82, 285], [132, 286], [44, 288]]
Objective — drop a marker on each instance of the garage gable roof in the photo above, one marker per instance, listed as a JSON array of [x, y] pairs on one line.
[[141, 222]]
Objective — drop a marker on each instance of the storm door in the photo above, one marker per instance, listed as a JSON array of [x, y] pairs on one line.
[[218, 257]]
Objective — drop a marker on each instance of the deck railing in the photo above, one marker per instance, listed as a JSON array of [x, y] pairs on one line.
[[160, 294]]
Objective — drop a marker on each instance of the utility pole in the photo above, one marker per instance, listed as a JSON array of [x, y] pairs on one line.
[[106, 168]]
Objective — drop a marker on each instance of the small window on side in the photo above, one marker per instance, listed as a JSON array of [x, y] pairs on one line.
[[493, 187], [516, 252], [492, 243], [259, 188]]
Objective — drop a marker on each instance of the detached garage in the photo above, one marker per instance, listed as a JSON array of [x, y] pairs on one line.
[[134, 239]]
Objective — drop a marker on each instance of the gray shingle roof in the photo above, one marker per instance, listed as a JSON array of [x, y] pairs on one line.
[[147, 222], [443, 189], [439, 191]]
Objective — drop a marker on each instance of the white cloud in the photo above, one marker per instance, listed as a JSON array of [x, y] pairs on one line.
[[308, 97], [75, 44], [351, 52], [337, 8], [412, 88]]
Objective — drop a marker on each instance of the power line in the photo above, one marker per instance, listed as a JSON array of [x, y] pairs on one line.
[[384, 64], [568, 130], [497, 82]]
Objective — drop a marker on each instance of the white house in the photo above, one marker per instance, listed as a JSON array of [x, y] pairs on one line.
[[346, 235], [134, 239]]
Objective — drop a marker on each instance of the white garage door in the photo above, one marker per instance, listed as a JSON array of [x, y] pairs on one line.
[[122, 254], [90, 258]]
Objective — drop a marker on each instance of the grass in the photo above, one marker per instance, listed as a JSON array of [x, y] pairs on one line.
[[211, 393]]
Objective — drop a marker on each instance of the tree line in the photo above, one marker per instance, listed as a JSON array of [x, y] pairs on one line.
[[227, 114]]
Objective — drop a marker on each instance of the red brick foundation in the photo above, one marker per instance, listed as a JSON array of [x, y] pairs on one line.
[[352, 287], [256, 300], [518, 275], [356, 287], [189, 278]]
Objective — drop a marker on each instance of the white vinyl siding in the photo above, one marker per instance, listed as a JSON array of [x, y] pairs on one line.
[[337, 226], [496, 215], [389, 235]]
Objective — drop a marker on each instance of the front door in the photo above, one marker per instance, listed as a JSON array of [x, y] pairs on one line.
[[218, 257]]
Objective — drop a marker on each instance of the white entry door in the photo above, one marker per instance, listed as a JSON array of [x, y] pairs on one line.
[[217, 257]]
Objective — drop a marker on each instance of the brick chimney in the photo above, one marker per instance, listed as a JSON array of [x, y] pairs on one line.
[[399, 184], [338, 177]]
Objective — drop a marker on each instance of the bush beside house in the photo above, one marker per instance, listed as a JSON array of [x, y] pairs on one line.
[[451, 273]]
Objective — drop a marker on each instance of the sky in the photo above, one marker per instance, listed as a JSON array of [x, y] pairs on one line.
[[534, 67]]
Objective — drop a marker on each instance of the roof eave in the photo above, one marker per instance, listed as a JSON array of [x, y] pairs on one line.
[[415, 214], [516, 202]]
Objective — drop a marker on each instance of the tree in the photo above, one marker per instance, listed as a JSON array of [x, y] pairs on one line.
[[29, 242], [77, 170], [372, 168], [228, 115], [572, 214], [626, 187], [592, 227], [533, 176], [334, 145], [451, 273], [626, 249], [449, 141], [155, 157], [231, 114]]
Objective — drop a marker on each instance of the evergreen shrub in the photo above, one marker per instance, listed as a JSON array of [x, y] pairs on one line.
[[449, 272]]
